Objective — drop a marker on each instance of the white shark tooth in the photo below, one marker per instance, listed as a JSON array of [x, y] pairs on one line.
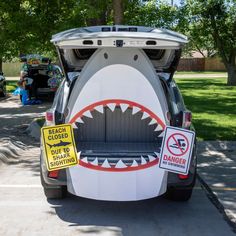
[[95, 162], [145, 115], [134, 164], [157, 154], [106, 164], [161, 134], [99, 108], [88, 114], [85, 159], [124, 107], [79, 120], [120, 164], [135, 110], [151, 158], [111, 106], [158, 128], [74, 126], [143, 161], [152, 122]]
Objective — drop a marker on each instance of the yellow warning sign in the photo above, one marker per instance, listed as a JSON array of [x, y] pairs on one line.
[[59, 146]]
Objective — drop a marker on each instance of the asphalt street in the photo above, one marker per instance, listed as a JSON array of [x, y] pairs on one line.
[[24, 210]]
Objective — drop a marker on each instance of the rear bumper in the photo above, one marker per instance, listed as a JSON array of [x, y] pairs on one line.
[[51, 182], [76, 180]]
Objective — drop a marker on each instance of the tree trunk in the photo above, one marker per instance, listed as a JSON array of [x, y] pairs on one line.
[[118, 12], [231, 69]]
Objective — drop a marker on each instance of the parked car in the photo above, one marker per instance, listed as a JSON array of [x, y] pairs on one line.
[[2, 85], [120, 99], [45, 76]]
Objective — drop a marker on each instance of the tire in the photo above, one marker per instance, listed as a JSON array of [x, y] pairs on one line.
[[53, 192], [58, 192], [179, 194], [3, 93]]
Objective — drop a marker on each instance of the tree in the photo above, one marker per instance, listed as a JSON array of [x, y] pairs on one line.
[[90, 12], [218, 19], [12, 21], [118, 12], [26, 26], [151, 13]]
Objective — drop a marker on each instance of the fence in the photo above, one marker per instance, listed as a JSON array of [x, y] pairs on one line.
[[201, 64], [185, 64]]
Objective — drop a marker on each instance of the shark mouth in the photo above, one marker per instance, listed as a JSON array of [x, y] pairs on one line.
[[122, 163]]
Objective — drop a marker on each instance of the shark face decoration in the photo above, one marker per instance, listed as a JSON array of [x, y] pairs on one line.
[[119, 90], [120, 165]]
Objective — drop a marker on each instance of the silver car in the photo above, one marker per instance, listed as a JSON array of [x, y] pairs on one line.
[[119, 95]]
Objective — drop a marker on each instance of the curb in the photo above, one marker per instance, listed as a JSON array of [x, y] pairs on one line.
[[34, 130], [215, 201]]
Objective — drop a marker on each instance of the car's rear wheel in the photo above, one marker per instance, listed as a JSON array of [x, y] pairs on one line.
[[3, 93], [55, 192], [179, 194]]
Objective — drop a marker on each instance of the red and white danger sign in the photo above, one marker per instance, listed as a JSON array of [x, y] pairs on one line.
[[176, 150]]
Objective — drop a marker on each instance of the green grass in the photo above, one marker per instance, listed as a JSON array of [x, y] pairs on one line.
[[199, 72], [11, 68], [11, 86], [213, 105]]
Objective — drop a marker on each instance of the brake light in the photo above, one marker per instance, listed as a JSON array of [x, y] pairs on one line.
[[183, 176], [187, 119], [53, 174], [49, 116]]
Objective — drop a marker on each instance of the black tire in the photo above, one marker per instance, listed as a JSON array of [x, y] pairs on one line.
[[53, 192], [182, 194], [3, 93], [58, 192]]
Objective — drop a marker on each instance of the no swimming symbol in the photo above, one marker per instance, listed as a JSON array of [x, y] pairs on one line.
[[177, 144]]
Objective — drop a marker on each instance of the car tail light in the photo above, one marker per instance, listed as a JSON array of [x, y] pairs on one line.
[[53, 174], [187, 119], [49, 116], [183, 176]]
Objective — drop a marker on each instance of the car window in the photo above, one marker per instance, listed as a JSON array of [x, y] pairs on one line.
[[177, 96], [168, 96]]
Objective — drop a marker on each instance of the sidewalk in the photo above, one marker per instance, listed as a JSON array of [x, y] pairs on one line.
[[200, 75], [16, 78], [217, 168]]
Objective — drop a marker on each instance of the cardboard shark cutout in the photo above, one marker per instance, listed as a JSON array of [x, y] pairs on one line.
[[118, 82]]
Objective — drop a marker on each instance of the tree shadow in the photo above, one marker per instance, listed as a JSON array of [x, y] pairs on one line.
[[145, 217], [213, 106], [216, 167]]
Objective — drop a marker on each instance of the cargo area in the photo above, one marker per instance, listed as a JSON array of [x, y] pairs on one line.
[[117, 135]]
